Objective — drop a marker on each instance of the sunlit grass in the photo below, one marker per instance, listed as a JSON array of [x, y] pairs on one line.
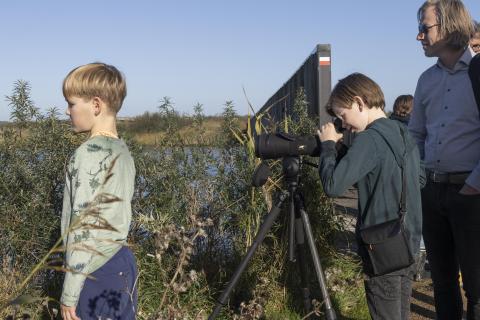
[[212, 127]]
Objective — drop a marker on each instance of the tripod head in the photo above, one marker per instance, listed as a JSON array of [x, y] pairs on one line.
[[291, 169], [291, 166]]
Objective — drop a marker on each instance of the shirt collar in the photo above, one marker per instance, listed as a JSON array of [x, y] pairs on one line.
[[462, 63]]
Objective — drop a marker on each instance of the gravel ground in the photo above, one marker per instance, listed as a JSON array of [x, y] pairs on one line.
[[422, 305]]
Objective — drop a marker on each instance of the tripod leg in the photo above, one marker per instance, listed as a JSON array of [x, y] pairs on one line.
[[266, 225], [329, 311], [302, 262], [291, 230]]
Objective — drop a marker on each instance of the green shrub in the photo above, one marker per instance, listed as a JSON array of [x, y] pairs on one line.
[[195, 215]]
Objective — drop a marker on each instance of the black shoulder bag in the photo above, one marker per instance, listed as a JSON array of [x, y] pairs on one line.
[[388, 243]]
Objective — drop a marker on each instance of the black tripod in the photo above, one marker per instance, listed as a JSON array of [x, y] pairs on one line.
[[299, 227]]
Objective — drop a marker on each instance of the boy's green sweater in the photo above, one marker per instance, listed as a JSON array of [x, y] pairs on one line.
[[371, 164], [90, 246]]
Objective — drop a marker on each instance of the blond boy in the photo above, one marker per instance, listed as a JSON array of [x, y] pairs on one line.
[[95, 239]]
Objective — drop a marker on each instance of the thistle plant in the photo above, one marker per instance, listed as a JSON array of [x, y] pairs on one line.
[[178, 276]]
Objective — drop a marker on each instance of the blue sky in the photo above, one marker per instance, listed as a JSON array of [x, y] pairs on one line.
[[206, 51]]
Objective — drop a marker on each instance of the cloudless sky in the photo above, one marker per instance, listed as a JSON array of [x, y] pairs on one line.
[[206, 51]]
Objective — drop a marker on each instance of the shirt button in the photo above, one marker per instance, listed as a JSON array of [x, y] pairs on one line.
[[439, 142], [443, 124], [446, 108], [448, 90], [438, 161]]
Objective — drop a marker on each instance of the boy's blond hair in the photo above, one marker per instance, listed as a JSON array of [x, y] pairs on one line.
[[97, 80], [355, 84], [456, 25]]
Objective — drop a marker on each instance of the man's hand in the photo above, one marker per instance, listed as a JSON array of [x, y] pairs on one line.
[[468, 190], [68, 313], [328, 132]]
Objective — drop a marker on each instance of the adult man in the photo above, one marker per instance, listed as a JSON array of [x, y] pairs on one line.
[[446, 124], [475, 40]]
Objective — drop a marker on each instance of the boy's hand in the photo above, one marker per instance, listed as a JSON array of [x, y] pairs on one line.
[[68, 313], [328, 132]]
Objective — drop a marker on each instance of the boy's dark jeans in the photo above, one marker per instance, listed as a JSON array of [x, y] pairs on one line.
[[388, 296], [451, 232]]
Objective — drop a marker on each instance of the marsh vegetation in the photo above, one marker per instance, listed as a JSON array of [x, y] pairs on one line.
[[195, 214]]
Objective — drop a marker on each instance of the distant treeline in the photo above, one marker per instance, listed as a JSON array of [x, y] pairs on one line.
[[150, 122]]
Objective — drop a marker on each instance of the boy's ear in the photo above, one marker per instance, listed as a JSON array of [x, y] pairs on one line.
[[97, 105], [360, 102]]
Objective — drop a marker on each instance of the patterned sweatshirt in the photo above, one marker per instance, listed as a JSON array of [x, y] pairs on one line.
[[90, 246]]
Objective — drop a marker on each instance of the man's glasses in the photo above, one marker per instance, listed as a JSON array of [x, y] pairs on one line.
[[423, 28]]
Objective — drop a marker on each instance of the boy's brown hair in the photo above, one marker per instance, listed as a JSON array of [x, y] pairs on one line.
[[97, 80], [403, 105], [355, 84]]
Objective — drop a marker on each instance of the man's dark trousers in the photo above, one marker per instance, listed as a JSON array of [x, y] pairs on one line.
[[451, 231]]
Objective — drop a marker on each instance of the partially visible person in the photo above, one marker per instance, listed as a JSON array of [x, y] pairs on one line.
[[445, 121], [372, 162], [402, 107], [101, 165], [475, 39]]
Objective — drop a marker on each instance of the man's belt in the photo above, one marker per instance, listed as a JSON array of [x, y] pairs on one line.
[[445, 177]]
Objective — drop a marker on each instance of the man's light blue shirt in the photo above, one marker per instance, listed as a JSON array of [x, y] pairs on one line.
[[445, 120]]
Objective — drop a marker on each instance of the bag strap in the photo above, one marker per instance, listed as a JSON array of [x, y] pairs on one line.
[[403, 199], [474, 74]]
